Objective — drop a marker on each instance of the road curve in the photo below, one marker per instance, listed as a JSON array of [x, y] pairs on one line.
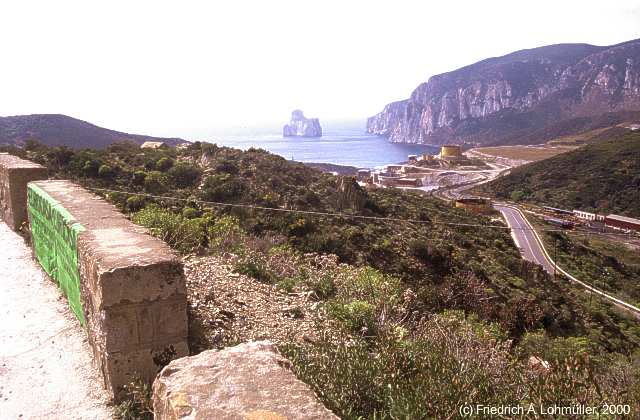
[[525, 238], [531, 248]]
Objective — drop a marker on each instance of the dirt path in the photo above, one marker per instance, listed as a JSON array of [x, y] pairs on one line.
[[46, 368]]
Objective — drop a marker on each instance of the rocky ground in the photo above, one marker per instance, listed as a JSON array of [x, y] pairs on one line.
[[227, 308]]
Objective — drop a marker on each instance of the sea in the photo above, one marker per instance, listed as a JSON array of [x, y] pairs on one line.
[[342, 143]]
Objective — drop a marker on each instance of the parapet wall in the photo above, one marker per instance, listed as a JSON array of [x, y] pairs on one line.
[[130, 286], [15, 173]]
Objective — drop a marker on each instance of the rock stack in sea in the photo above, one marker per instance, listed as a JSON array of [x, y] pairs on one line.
[[299, 126]]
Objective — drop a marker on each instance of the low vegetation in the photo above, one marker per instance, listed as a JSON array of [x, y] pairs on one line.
[[422, 316], [530, 153], [603, 177]]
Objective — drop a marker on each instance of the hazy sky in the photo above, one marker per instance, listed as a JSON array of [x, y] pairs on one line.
[[183, 67]]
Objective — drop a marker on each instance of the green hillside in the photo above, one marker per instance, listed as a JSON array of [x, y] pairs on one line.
[[442, 305], [603, 176]]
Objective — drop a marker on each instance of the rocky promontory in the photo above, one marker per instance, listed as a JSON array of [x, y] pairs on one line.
[[523, 97], [300, 126]]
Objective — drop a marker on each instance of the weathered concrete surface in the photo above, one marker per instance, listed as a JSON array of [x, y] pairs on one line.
[[248, 381], [132, 289], [15, 173], [46, 369]]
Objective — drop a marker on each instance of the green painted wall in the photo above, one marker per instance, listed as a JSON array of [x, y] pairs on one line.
[[54, 233]]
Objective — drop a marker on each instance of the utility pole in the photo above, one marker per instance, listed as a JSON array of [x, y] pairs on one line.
[[555, 257]]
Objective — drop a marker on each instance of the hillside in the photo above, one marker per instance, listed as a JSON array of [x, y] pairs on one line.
[[441, 306], [61, 130], [603, 176], [525, 97]]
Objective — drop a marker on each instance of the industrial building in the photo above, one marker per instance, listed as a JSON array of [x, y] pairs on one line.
[[364, 175], [153, 145], [450, 152], [585, 215], [622, 222], [558, 211]]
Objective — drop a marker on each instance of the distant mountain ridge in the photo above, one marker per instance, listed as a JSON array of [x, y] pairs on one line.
[[61, 130], [505, 100]]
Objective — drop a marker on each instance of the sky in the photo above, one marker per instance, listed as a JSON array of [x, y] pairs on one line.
[[184, 68]]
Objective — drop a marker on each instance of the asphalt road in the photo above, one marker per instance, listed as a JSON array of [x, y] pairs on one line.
[[525, 238]]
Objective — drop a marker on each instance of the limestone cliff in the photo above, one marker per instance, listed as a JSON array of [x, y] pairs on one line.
[[499, 100], [299, 126]]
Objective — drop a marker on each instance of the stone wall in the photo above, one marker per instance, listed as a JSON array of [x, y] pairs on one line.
[[15, 173], [131, 286], [248, 381]]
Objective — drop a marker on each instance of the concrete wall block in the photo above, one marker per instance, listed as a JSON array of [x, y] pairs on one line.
[[135, 326], [15, 174], [170, 318], [119, 368], [132, 289], [113, 283]]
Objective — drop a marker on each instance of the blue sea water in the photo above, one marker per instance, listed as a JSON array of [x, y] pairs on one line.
[[342, 143]]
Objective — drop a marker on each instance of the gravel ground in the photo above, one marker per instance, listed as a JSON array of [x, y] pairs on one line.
[[46, 368], [228, 308]]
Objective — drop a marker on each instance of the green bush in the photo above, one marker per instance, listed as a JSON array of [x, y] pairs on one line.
[[357, 316], [518, 195], [254, 264], [323, 285], [430, 372], [135, 202], [156, 182], [139, 177], [189, 213], [105, 171], [185, 235], [184, 175], [91, 168], [226, 235], [163, 164]]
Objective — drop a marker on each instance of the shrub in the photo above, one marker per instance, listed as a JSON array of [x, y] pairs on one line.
[[447, 358], [185, 235], [135, 202], [254, 264], [184, 175], [223, 187], [357, 316], [518, 195], [226, 235], [189, 213], [105, 171], [163, 164], [322, 285], [90, 168], [137, 403], [156, 182], [139, 177]]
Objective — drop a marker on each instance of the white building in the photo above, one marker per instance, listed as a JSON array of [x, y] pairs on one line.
[[585, 215]]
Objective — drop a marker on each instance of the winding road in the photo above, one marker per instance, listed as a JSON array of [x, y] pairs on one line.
[[524, 237], [532, 250]]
